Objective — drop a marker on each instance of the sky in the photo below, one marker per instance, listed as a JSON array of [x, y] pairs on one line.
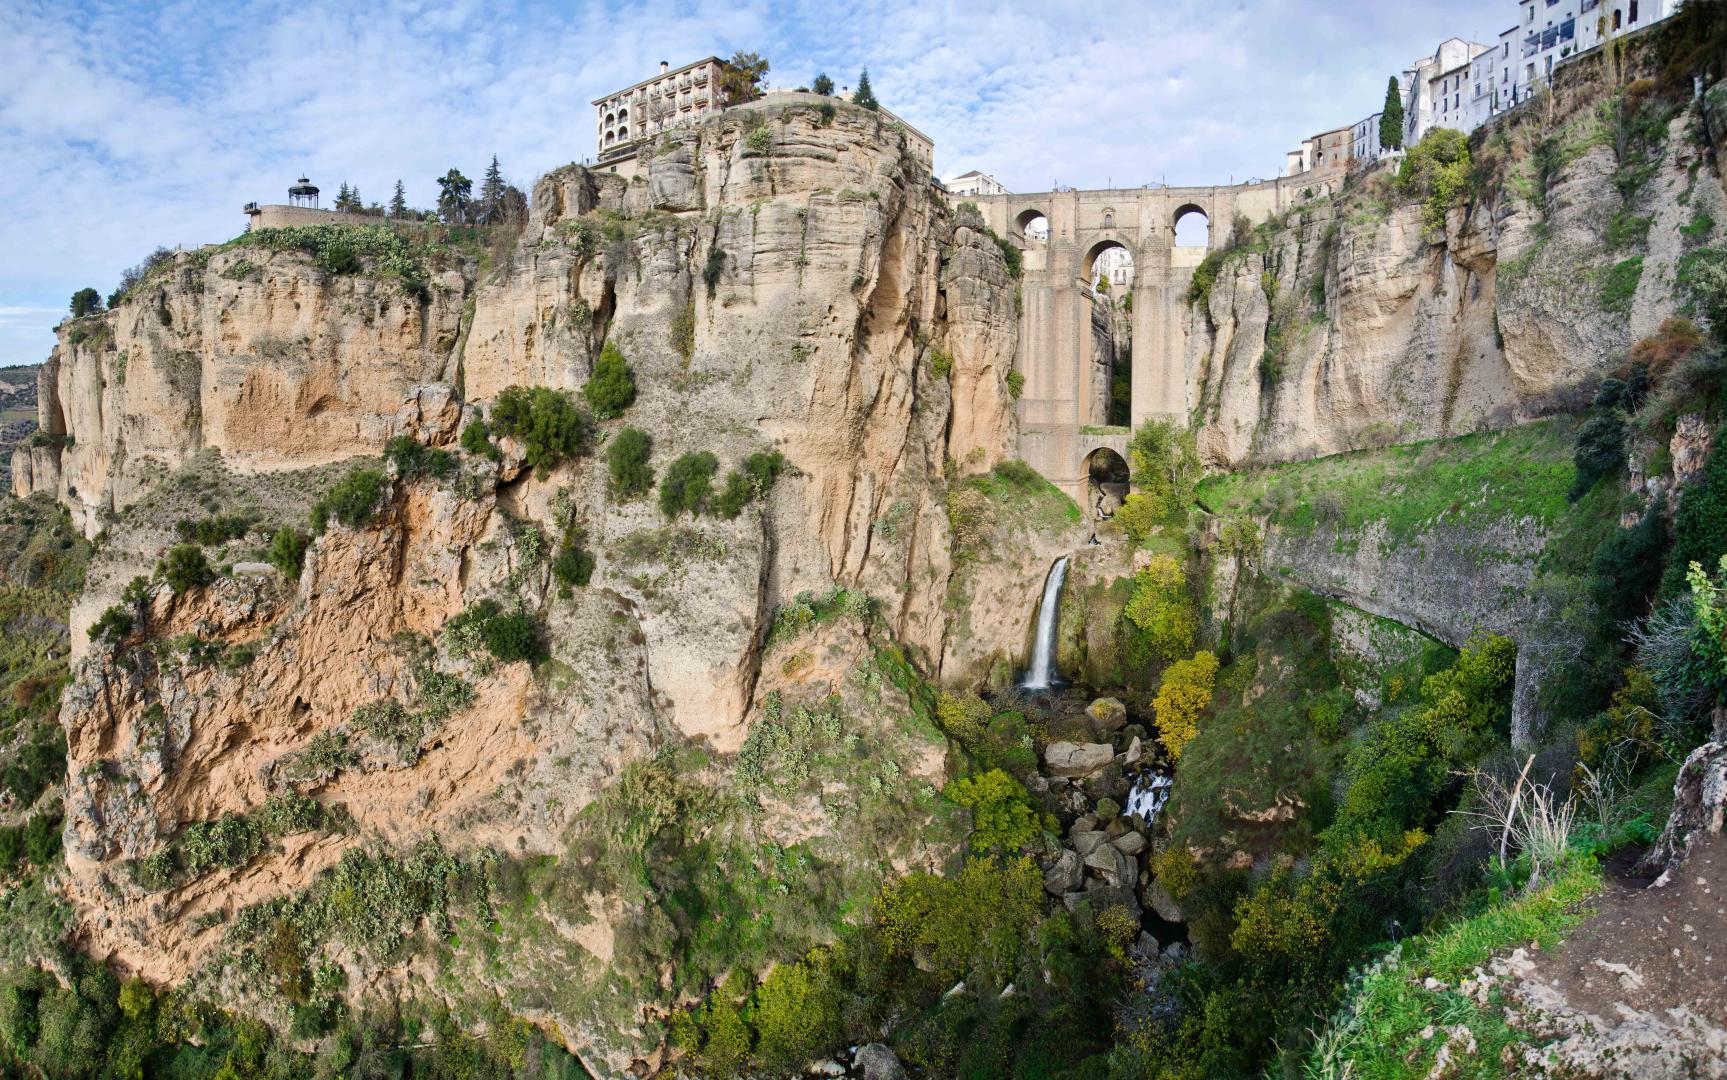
[[128, 126]]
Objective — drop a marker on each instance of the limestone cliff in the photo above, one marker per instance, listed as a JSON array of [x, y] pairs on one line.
[[1351, 321], [780, 278]]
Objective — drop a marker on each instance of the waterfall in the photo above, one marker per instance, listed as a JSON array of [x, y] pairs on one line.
[[1042, 673], [1150, 792]]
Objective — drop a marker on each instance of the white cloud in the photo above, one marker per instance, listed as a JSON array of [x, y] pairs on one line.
[[124, 128]]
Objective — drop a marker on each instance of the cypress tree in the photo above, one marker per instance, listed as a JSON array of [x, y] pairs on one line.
[[492, 192], [1391, 119], [399, 202], [865, 96]]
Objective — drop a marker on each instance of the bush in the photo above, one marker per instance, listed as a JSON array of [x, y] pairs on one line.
[[1161, 607], [627, 465], [185, 567], [687, 483], [796, 1016], [413, 458], [1003, 814], [1436, 171], [1600, 450], [508, 636], [1616, 285], [1164, 459], [612, 387], [218, 529], [545, 421], [574, 565], [1015, 384], [1627, 568], [114, 625], [477, 440], [969, 926], [1676, 341], [288, 551], [963, 717], [353, 500], [1183, 696], [759, 472], [1700, 524]]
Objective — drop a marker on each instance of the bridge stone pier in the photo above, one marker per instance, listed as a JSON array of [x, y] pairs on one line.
[[1060, 410]]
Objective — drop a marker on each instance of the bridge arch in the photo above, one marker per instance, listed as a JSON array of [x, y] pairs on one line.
[[1191, 226], [1100, 249], [1032, 224], [1104, 478]]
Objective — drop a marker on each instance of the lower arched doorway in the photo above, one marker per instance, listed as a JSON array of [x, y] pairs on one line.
[[1106, 482]]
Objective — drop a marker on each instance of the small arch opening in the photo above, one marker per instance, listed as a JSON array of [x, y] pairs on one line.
[[1109, 267], [1106, 478], [1033, 225], [1192, 227]]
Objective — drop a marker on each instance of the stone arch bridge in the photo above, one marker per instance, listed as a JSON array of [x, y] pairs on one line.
[[1063, 414]]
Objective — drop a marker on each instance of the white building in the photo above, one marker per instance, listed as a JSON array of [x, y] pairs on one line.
[[1552, 31], [1365, 137], [651, 106], [1435, 88], [974, 183]]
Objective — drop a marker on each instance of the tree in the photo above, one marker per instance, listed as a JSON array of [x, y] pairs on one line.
[[612, 387], [1165, 462], [399, 202], [742, 76], [342, 196], [1161, 607], [627, 463], [186, 568], [1003, 814], [1183, 695], [823, 85], [455, 197], [864, 95], [86, 301], [687, 483], [492, 193], [1391, 119]]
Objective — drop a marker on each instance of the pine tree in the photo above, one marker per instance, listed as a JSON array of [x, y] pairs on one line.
[[865, 96], [1391, 120], [492, 193], [455, 195], [399, 202], [342, 196]]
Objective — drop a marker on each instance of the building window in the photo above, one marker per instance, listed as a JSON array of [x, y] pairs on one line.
[[1633, 10]]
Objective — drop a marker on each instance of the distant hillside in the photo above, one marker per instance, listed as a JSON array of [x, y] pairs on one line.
[[17, 407]]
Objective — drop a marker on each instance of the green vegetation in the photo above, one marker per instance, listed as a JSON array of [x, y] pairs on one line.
[[1164, 464], [288, 551], [627, 468], [744, 486], [1391, 117], [1004, 816], [1009, 497], [1436, 171], [509, 636], [687, 483], [184, 567], [612, 387], [383, 250], [573, 566], [1182, 697], [86, 301], [477, 439], [414, 459], [1015, 384], [545, 421], [353, 500], [1616, 285], [214, 530]]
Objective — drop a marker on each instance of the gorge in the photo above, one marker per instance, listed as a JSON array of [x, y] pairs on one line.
[[700, 628]]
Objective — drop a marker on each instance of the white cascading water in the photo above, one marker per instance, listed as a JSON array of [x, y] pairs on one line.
[[1149, 794], [1042, 673]]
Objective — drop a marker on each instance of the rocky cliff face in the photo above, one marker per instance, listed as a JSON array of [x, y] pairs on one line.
[[1350, 322], [778, 278]]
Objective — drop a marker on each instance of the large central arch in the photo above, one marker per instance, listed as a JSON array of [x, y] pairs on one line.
[[1165, 232]]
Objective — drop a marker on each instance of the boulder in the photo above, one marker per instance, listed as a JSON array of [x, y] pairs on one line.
[[1113, 867], [1107, 715], [877, 1062], [1065, 875], [1083, 823], [1078, 759], [1146, 946], [1157, 898], [1130, 844], [1699, 806], [1087, 842], [1132, 755]]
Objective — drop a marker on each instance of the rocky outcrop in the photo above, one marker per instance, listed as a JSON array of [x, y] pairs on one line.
[[792, 298], [1349, 323]]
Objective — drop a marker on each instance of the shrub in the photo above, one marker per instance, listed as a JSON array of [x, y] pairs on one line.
[[627, 465], [1182, 697], [1600, 450], [1627, 568], [612, 387], [185, 567], [114, 625], [288, 551], [796, 1016], [714, 269], [963, 717], [1616, 285], [1164, 459], [687, 483], [968, 926], [1161, 607], [353, 500], [413, 458], [1003, 814], [1675, 341], [1436, 171], [573, 566], [86, 301], [477, 440], [940, 362], [1700, 524], [217, 529], [760, 470], [508, 636], [1015, 384], [545, 421]]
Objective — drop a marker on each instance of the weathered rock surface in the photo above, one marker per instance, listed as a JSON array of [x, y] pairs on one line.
[[1077, 759]]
